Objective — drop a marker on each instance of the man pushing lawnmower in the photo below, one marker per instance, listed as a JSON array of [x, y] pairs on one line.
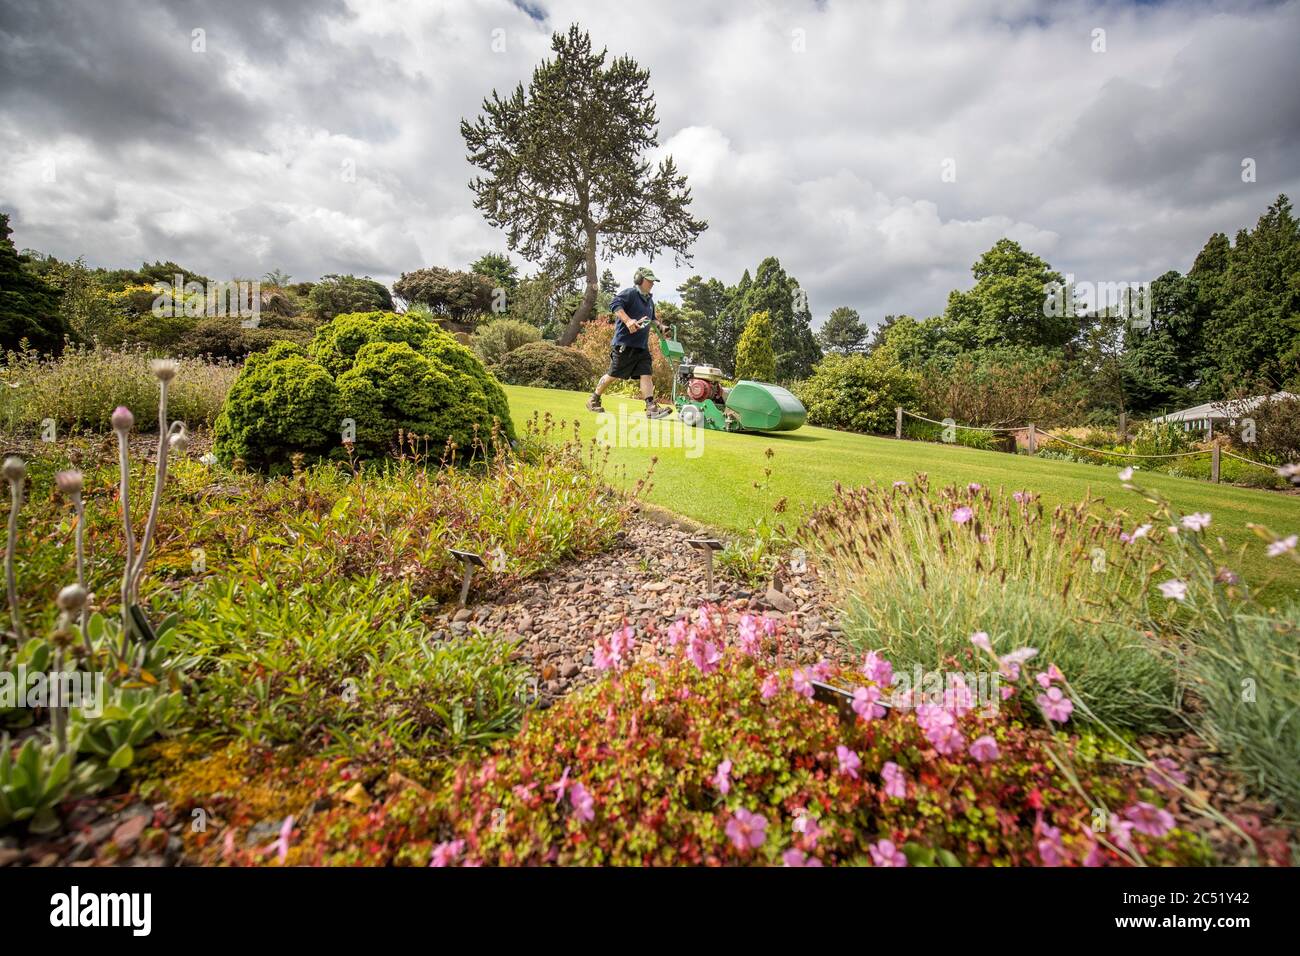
[[634, 313]]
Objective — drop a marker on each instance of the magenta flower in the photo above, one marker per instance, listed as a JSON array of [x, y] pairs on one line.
[[747, 630], [849, 761], [1121, 832], [878, 669], [677, 632], [583, 803], [1165, 774], [1048, 677], [895, 780], [1050, 849], [703, 654], [770, 625], [560, 788], [722, 778], [807, 825], [884, 853], [771, 686], [900, 484], [703, 621], [962, 515], [281, 843], [444, 854], [802, 685], [797, 857], [981, 640], [865, 702], [1056, 705], [747, 830], [984, 749], [1149, 819], [1021, 497], [973, 487], [821, 671], [615, 652]]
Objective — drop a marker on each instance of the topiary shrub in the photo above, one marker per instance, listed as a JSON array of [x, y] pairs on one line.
[[755, 358], [336, 343], [282, 403], [546, 365], [393, 387]]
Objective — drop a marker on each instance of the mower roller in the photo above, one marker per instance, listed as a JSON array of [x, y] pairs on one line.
[[747, 406]]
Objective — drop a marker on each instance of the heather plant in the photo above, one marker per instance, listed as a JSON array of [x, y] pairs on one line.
[[496, 338], [80, 388], [918, 570]]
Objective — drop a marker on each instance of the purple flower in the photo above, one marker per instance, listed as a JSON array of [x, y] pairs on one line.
[[962, 515], [865, 702], [1164, 774], [984, 749], [747, 830], [802, 685], [849, 761], [1149, 819], [281, 844], [560, 788], [1021, 496], [722, 777], [703, 654], [878, 669], [747, 630], [1050, 849], [444, 854], [808, 827], [895, 780], [1282, 546], [796, 857], [1056, 705], [1196, 522], [981, 640], [884, 853], [771, 686], [583, 803], [1174, 589]]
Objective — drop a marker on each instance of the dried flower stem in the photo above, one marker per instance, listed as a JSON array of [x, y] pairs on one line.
[[11, 580]]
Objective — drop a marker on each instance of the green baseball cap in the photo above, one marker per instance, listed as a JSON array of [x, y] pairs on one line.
[[644, 273]]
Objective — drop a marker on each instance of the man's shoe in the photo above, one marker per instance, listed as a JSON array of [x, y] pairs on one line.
[[593, 404], [655, 410]]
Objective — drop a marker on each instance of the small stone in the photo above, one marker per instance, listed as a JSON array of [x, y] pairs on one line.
[[569, 670], [778, 600], [464, 614], [128, 832]]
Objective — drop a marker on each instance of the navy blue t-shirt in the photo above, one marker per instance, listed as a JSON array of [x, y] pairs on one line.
[[638, 307]]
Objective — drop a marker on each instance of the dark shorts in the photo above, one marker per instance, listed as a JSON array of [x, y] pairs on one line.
[[628, 362]]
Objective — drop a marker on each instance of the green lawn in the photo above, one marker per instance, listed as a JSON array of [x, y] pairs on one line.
[[713, 482]]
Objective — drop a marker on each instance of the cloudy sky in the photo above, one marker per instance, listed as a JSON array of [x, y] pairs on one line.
[[1107, 137]]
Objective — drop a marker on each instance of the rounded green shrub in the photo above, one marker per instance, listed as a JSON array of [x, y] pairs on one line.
[[856, 393], [336, 343], [282, 403], [546, 365], [499, 337]]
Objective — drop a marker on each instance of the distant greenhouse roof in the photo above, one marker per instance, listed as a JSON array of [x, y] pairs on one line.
[[1223, 410]]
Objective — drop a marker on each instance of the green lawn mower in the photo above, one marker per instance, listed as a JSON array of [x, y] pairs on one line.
[[701, 400]]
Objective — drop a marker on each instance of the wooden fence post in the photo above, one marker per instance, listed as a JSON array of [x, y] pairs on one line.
[[1214, 463], [898, 421], [1033, 440]]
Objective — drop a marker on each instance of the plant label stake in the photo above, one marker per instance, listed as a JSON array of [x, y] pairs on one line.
[[708, 546], [469, 561], [839, 698]]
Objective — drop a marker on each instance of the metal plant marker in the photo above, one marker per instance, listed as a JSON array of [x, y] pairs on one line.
[[469, 561], [707, 546]]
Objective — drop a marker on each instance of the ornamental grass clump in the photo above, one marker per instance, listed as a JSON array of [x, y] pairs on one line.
[[917, 570]]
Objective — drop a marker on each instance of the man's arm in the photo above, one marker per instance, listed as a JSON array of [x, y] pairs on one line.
[[631, 323]]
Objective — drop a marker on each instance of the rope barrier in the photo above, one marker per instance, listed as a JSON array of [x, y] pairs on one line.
[[973, 428], [1249, 461], [1120, 454]]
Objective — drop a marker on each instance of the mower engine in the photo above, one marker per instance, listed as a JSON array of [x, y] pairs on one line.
[[702, 382]]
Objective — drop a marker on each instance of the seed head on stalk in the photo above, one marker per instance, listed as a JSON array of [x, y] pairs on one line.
[[15, 472]]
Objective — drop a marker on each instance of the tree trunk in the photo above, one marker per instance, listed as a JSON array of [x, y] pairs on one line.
[[588, 303]]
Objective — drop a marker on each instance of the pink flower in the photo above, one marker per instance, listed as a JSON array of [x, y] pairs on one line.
[[615, 652], [1126, 474], [864, 702], [677, 632], [821, 671], [797, 857], [1196, 522], [1048, 677], [703, 654], [771, 686], [1173, 588], [1165, 774], [770, 625], [1282, 546], [1021, 496], [583, 803], [900, 484], [1121, 832], [973, 487], [884, 853], [962, 515], [1149, 819], [1056, 705], [722, 778], [1011, 662], [802, 685], [703, 621], [958, 698], [895, 780], [981, 640], [523, 793], [281, 843], [984, 749], [878, 669], [747, 830], [1050, 849], [747, 630], [560, 788], [807, 825], [849, 761], [444, 854]]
